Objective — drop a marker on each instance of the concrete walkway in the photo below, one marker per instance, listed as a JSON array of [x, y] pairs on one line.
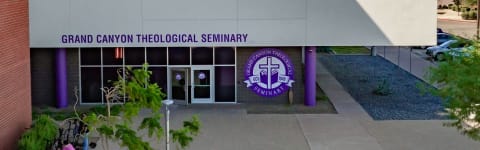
[[229, 127]]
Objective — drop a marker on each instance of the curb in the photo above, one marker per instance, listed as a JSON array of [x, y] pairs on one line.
[[467, 21]]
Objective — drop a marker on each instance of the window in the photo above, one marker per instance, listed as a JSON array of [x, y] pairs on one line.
[[224, 55], [91, 84], [224, 84], [91, 56], [202, 56], [134, 55], [157, 55], [113, 56], [100, 67], [179, 56]]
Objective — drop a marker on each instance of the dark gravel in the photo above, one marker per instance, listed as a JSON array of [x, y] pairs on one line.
[[361, 75]]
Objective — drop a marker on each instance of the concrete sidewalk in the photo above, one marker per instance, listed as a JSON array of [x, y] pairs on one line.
[[229, 127]]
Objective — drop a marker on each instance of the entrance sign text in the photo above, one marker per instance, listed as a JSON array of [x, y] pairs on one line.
[[154, 38], [269, 72]]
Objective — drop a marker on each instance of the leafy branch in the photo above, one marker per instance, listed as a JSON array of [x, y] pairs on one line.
[[139, 94]]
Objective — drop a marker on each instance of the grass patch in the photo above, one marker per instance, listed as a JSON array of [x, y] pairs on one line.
[[350, 49], [320, 95]]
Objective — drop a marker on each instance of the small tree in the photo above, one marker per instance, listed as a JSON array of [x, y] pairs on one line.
[[458, 3], [458, 79], [140, 95]]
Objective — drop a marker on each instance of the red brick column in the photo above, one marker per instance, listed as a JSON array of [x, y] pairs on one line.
[[15, 97]]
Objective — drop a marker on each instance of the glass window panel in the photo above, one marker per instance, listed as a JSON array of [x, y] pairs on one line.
[[179, 56], [224, 84], [112, 56], [202, 56], [224, 55], [157, 55], [201, 82], [91, 84], [179, 84], [159, 76], [110, 75], [201, 77], [134, 55], [90, 56]]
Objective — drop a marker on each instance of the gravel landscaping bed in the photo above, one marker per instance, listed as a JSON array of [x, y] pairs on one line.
[[361, 75]]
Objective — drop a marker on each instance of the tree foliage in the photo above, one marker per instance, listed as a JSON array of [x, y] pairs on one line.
[[40, 135], [140, 95], [470, 2], [458, 80]]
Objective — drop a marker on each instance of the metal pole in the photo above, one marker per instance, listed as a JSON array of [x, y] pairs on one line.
[[478, 19], [411, 60], [167, 122], [384, 49], [398, 57], [85, 142]]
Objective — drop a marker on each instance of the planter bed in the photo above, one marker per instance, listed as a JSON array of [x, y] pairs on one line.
[[361, 75]]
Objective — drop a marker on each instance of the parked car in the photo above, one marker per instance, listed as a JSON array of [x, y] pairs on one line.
[[443, 46], [441, 38], [451, 47], [440, 30]]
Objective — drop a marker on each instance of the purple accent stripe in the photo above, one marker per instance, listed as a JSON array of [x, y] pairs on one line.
[[61, 80], [310, 75]]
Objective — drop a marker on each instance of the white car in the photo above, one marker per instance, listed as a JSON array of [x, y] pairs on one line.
[[438, 52]]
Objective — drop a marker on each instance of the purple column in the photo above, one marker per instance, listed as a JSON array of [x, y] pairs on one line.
[[61, 66], [310, 75]]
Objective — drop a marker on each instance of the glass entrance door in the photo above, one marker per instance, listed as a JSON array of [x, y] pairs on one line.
[[180, 80], [202, 84]]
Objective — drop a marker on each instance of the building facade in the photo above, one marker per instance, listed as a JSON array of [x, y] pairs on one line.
[[186, 74], [233, 51]]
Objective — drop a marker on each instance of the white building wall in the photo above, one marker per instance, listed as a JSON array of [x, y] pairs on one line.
[[267, 22]]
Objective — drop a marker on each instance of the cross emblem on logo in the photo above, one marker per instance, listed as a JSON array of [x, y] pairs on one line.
[[269, 66], [269, 72]]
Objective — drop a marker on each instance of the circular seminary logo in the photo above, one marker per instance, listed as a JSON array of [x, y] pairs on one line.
[[269, 72]]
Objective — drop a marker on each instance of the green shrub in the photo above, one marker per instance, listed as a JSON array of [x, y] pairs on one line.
[[472, 15], [42, 133], [445, 7], [383, 89], [454, 8], [465, 16]]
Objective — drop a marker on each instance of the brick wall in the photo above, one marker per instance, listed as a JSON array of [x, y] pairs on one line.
[[245, 95], [15, 112]]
